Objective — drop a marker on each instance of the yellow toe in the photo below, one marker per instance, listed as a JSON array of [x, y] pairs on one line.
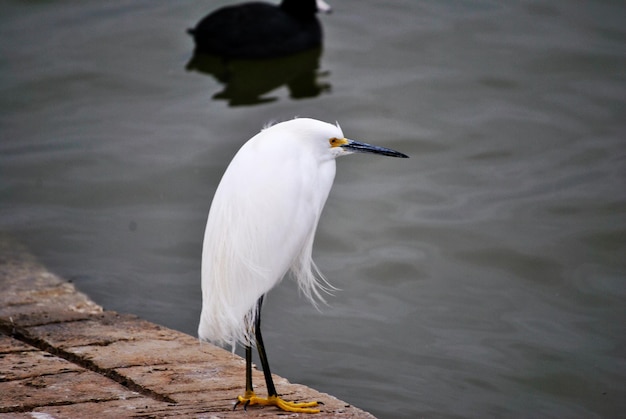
[[250, 399]]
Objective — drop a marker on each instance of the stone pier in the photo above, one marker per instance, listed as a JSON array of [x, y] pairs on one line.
[[63, 356]]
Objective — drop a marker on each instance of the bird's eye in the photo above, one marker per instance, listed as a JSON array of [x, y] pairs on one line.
[[335, 142]]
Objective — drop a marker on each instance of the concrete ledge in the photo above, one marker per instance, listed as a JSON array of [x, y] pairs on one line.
[[63, 356]]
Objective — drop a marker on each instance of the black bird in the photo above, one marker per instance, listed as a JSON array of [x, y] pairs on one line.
[[260, 30]]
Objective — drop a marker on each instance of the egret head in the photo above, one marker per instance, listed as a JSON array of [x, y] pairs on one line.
[[327, 139]]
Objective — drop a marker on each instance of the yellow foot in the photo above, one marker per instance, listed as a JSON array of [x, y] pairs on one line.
[[250, 399]]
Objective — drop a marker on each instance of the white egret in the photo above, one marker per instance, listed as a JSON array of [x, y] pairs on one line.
[[261, 225]]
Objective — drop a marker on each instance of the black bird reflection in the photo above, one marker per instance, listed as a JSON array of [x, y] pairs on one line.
[[247, 81], [254, 48]]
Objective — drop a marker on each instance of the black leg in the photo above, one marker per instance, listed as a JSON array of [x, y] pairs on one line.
[[248, 369], [249, 390], [271, 390]]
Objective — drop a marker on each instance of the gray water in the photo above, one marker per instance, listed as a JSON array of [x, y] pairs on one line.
[[483, 277]]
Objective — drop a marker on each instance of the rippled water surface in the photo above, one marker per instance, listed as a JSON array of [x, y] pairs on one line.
[[483, 277]]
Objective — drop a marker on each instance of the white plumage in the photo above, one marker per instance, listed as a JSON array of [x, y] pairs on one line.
[[262, 223]]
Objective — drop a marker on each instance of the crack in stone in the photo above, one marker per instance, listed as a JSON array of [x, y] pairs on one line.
[[22, 335]]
